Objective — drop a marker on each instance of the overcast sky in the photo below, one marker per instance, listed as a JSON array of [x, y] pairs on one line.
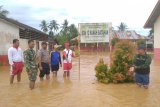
[[133, 12]]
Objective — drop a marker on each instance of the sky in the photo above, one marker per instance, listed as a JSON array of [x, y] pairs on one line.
[[132, 12]]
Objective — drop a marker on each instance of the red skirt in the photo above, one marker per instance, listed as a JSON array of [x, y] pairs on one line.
[[67, 66]]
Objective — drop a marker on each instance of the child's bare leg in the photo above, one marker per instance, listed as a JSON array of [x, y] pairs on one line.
[[64, 75], [56, 74], [11, 79], [53, 73]]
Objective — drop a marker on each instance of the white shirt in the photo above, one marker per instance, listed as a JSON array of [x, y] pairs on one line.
[[15, 55], [69, 57]]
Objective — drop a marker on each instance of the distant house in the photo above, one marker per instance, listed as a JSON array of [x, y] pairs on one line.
[[127, 35], [150, 42], [154, 23], [11, 29]]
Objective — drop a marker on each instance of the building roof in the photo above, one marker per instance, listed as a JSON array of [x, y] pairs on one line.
[[128, 34], [153, 16], [27, 32]]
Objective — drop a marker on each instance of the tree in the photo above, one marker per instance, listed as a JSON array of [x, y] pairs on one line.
[[44, 26], [73, 31], [53, 26], [122, 27], [66, 33], [3, 12], [65, 27]]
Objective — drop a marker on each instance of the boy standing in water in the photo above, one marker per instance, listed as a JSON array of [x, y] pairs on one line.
[[67, 60], [141, 66], [55, 60], [31, 64], [16, 60]]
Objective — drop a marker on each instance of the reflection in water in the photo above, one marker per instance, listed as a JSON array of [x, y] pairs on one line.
[[86, 92]]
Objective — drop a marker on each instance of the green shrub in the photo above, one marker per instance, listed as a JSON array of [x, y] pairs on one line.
[[122, 61], [101, 71]]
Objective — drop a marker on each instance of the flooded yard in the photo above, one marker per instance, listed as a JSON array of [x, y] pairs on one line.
[[75, 92]]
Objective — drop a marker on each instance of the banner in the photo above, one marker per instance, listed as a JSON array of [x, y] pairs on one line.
[[94, 32]]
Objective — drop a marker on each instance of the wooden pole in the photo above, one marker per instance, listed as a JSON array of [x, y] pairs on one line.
[[79, 52], [97, 49], [79, 56], [110, 45]]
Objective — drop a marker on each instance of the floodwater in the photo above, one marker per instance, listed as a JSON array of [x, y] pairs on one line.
[[83, 92]]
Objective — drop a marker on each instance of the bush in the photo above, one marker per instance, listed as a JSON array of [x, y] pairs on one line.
[[122, 61], [101, 71]]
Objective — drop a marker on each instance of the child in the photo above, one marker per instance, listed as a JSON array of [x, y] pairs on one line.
[[141, 66], [67, 60], [55, 60]]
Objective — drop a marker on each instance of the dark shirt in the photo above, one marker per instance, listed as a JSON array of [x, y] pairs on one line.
[[142, 63]]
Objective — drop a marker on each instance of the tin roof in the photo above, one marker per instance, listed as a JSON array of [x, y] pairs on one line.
[[27, 32]]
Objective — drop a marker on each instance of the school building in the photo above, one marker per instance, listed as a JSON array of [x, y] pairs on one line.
[[11, 29], [154, 23]]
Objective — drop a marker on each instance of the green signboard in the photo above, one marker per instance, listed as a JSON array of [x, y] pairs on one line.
[[94, 32]]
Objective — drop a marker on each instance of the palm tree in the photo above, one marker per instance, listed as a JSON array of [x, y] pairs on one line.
[[3, 12], [44, 26], [53, 25], [122, 27], [65, 27], [73, 31]]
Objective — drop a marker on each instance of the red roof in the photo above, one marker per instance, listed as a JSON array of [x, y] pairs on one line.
[[153, 16]]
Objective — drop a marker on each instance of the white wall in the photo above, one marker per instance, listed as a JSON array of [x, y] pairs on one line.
[[8, 32], [23, 44], [157, 33]]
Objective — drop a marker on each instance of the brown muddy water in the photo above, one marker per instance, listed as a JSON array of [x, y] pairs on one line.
[[85, 92]]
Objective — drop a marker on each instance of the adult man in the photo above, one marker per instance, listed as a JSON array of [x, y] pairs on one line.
[[43, 61], [30, 63], [141, 66], [15, 56], [67, 60]]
